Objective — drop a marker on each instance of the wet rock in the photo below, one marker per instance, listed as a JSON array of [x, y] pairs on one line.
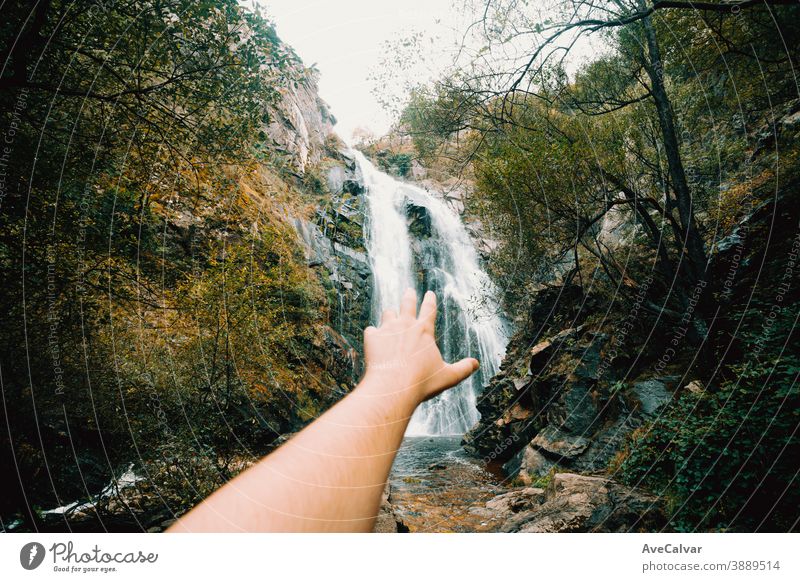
[[579, 503], [341, 358], [345, 272], [419, 220]]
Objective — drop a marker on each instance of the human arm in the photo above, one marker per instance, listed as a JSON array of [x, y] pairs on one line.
[[331, 475]]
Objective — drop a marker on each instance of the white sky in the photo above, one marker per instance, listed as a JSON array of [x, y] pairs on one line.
[[346, 39]]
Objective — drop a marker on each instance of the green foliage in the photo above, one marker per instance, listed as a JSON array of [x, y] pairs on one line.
[[727, 459], [544, 481], [397, 163], [432, 115], [313, 182], [554, 153], [150, 310]]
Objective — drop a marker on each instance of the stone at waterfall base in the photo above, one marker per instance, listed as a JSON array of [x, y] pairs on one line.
[[576, 503]]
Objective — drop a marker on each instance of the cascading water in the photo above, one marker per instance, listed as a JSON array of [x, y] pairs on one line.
[[439, 256]]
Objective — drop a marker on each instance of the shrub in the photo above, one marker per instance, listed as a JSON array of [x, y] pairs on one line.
[[727, 459]]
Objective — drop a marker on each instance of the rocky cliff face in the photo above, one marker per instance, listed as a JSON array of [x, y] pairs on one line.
[[334, 243], [307, 181], [567, 395], [577, 381], [301, 127], [301, 123]]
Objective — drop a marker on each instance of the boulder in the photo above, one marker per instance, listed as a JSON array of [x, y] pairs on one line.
[[580, 503], [533, 465], [515, 501], [651, 396], [559, 443], [695, 387]]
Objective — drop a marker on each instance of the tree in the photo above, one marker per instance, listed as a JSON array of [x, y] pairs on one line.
[[493, 98], [131, 125]]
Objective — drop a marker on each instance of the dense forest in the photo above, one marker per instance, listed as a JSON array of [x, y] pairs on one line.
[[182, 251], [150, 279]]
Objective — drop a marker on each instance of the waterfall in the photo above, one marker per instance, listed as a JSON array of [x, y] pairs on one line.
[[415, 240]]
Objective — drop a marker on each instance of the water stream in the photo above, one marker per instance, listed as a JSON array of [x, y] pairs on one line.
[[414, 239]]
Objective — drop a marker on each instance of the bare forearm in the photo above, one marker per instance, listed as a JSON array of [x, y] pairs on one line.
[[327, 478], [330, 476]]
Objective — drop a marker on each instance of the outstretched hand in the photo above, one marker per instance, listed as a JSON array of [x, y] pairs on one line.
[[330, 477], [402, 356]]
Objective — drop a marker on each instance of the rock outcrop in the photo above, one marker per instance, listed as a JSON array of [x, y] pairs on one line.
[[301, 123], [565, 396], [563, 402], [551, 403], [301, 130], [301, 127], [578, 503], [335, 248]]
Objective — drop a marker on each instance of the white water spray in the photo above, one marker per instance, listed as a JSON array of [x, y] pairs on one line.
[[444, 260]]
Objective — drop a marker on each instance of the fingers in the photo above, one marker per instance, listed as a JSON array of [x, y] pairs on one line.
[[388, 315], [408, 305], [460, 371], [427, 311]]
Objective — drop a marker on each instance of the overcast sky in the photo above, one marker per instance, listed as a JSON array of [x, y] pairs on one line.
[[347, 39]]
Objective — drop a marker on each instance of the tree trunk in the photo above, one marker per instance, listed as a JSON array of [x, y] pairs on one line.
[[693, 247]]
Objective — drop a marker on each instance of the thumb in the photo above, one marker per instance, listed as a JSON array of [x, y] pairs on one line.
[[461, 370]]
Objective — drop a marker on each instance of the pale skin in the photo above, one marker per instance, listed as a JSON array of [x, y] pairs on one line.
[[330, 476]]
